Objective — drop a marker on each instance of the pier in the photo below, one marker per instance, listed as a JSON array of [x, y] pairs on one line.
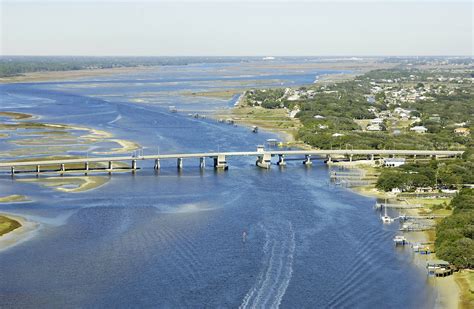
[[263, 159]]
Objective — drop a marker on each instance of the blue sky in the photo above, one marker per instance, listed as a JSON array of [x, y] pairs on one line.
[[237, 28]]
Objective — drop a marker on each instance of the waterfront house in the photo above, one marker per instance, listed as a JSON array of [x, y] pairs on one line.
[[393, 162]]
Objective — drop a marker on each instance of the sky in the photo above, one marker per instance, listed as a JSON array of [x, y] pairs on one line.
[[236, 28]]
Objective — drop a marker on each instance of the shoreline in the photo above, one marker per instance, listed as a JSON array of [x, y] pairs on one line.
[[448, 289], [19, 235]]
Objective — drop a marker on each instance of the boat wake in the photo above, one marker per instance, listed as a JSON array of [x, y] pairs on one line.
[[366, 263], [277, 266], [119, 116]]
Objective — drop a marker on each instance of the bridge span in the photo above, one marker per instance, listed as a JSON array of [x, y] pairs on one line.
[[263, 159]]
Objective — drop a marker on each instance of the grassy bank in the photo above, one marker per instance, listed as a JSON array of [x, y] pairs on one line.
[[13, 198], [7, 225]]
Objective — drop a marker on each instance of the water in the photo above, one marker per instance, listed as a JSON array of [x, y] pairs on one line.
[[175, 239]]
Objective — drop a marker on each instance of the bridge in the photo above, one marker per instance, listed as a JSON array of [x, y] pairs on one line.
[[263, 159]]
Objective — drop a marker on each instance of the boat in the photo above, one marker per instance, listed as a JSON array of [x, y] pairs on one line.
[[272, 142], [173, 109], [255, 129], [386, 218]]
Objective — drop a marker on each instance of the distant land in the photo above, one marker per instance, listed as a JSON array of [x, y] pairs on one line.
[[13, 66]]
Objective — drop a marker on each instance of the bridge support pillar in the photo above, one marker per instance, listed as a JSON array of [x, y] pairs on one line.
[[63, 169], [329, 159], [202, 162], [264, 160], [134, 165], [307, 160], [414, 158], [157, 164], [13, 170], [350, 158], [281, 160], [220, 162], [38, 169], [372, 157], [111, 165], [180, 163]]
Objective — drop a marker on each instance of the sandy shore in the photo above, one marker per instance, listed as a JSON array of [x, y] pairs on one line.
[[448, 288], [14, 198], [27, 230]]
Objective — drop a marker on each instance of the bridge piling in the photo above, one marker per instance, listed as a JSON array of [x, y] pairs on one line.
[[281, 160], [157, 164], [220, 162], [38, 169], [264, 160], [202, 162], [180, 163], [307, 160], [63, 169], [134, 166], [13, 170]]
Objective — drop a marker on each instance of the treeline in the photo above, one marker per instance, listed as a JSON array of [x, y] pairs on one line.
[[455, 234], [17, 65], [435, 174]]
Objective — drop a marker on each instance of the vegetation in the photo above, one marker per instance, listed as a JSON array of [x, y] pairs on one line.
[[343, 104], [17, 65], [455, 234], [338, 116], [435, 174], [7, 225]]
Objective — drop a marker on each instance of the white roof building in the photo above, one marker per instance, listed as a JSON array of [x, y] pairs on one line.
[[419, 129]]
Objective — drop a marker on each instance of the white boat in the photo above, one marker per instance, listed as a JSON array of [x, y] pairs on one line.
[[386, 218], [255, 129]]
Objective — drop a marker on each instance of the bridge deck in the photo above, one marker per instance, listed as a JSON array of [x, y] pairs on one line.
[[233, 154]]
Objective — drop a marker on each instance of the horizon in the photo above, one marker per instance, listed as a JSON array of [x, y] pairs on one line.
[[236, 28]]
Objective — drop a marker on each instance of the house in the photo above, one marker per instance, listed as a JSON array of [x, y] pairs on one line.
[[337, 134], [435, 118], [319, 117], [423, 189], [376, 121], [393, 162], [374, 127], [396, 190], [419, 129], [462, 131]]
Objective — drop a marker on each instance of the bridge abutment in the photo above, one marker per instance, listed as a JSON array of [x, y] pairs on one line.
[[220, 162], [264, 160]]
